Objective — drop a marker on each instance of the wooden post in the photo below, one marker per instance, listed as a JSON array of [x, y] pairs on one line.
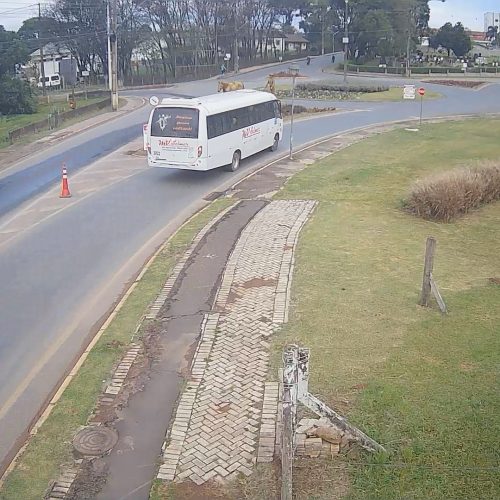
[[437, 295], [323, 410], [430, 249], [289, 401]]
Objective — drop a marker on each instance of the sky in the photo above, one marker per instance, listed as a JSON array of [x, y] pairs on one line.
[[469, 12]]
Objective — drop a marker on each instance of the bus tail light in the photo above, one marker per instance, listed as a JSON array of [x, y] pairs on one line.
[[149, 148], [200, 151]]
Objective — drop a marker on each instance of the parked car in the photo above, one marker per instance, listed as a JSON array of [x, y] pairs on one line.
[[53, 81]]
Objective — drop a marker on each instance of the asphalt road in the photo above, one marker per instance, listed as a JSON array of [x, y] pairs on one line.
[[60, 277]]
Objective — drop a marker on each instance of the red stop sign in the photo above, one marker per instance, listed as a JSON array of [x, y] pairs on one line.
[[421, 91]]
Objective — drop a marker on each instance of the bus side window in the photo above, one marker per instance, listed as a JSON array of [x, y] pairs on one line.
[[277, 109], [215, 126], [226, 122], [259, 113], [268, 111]]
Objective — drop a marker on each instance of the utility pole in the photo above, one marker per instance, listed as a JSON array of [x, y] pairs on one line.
[[322, 32], [40, 45], [408, 54], [408, 45], [216, 39], [236, 54], [108, 27], [113, 54], [346, 38]]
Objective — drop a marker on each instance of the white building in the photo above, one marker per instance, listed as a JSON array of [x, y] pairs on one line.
[[491, 19]]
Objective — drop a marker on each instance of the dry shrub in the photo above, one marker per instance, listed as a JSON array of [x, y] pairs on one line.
[[454, 193]]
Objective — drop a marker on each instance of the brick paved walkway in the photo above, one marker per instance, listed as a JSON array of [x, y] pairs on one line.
[[222, 415]]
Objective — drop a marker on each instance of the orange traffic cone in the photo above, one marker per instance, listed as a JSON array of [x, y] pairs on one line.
[[65, 188]]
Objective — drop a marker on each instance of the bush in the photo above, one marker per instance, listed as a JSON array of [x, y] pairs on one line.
[[449, 195], [16, 97], [286, 109], [335, 87]]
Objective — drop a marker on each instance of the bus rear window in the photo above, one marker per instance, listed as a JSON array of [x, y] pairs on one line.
[[175, 122]]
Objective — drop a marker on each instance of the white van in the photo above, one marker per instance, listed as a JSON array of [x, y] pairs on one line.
[[50, 81], [213, 131]]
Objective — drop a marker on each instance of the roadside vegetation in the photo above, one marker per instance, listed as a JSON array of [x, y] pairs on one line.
[[446, 196], [349, 92], [51, 448], [423, 384], [44, 111]]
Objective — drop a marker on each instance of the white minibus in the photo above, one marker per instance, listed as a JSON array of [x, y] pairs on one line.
[[217, 130]]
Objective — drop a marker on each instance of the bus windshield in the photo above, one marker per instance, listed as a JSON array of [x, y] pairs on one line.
[[175, 122]]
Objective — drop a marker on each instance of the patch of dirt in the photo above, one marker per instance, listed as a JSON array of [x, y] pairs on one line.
[[458, 83], [136, 152], [208, 491], [89, 481], [467, 367], [359, 387], [495, 281], [320, 478], [258, 283], [232, 297], [188, 357], [114, 344], [105, 411]]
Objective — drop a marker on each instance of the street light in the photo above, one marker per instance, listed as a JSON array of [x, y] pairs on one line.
[[293, 70]]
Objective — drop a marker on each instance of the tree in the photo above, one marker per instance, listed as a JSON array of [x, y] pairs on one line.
[[317, 21], [33, 28], [13, 51], [82, 29], [384, 27], [454, 38], [492, 35], [15, 95]]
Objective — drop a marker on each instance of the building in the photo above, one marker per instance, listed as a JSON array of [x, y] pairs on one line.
[[287, 42], [491, 19], [57, 59], [478, 36]]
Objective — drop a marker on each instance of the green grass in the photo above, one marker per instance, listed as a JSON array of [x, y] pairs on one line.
[[9, 123], [395, 94], [422, 384], [51, 447]]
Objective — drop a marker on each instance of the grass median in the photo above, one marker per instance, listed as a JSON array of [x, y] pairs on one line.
[[395, 94], [422, 384], [51, 447]]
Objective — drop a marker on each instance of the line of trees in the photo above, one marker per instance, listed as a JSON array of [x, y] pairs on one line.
[[168, 34], [169, 37]]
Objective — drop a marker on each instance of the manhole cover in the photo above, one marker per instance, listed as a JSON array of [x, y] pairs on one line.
[[95, 440]]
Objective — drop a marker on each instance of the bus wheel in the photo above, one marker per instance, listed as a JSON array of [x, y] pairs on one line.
[[235, 163], [274, 147]]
